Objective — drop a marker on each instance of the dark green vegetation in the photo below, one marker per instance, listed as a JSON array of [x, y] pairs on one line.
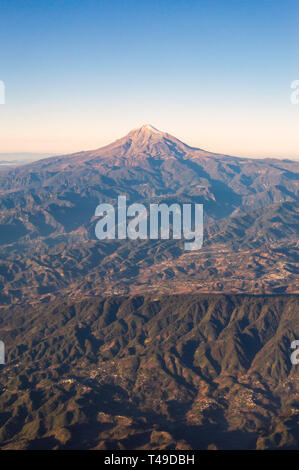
[[183, 371]]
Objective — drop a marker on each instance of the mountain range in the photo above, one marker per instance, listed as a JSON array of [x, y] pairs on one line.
[[48, 246], [139, 344], [199, 371]]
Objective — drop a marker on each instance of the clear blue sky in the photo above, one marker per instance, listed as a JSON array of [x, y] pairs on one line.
[[217, 74]]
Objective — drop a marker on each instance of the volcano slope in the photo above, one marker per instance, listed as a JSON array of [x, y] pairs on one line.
[[170, 372]]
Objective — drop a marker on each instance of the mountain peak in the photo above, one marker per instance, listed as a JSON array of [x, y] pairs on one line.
[[146, 130], [142, 143], [150, 128]]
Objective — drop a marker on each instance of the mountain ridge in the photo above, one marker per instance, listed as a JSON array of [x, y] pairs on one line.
[[47, 214], [137, 344], [166, 165], [151, 372]]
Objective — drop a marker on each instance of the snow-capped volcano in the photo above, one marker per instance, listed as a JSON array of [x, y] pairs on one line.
[[139, 144]]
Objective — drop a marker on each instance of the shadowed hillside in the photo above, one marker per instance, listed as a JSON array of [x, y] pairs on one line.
[[202, 371]]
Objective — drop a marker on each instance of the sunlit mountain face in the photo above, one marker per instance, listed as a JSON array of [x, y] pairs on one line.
[[139, 344]]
